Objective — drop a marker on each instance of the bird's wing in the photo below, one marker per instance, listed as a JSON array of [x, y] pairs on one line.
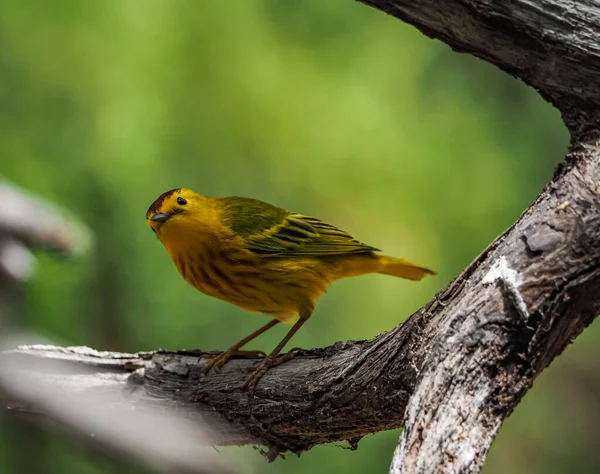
[[270, 230], [307, 236]]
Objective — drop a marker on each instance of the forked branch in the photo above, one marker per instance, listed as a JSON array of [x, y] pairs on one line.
[[468, 356], [455, 369]]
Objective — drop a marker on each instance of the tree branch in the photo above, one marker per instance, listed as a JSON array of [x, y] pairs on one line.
[[28, 221], [92, 407], [453, 371]]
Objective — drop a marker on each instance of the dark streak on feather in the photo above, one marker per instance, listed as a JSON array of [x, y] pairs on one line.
[[296, 284], [288, 238], [244, 275], [291, 233], [302, 224], [182, 266], [274, 300], [219, 274], [261, 251], [205, 278]]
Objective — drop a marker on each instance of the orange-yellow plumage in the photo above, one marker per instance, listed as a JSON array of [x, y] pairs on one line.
[[261, 257]]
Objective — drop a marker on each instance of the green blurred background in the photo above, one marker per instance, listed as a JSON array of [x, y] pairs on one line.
[[327, 108]]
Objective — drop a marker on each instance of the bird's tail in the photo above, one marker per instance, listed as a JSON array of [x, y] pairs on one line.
[[401, 268]]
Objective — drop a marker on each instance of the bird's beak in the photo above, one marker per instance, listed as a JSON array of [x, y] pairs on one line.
[[160, 218]]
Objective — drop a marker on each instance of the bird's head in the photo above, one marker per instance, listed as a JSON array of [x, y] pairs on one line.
[[175, 210]]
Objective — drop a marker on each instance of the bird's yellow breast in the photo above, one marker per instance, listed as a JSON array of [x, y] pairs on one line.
[[222, 268]]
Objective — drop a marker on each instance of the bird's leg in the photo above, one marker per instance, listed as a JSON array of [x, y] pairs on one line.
[[222, 358], [272, 360]]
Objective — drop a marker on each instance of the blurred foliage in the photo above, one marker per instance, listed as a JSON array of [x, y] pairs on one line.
[[328, 108]]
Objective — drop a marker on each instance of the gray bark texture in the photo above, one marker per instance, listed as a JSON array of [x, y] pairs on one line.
[[456, 368]]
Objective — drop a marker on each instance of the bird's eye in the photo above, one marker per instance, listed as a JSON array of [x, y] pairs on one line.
[[181, 201]]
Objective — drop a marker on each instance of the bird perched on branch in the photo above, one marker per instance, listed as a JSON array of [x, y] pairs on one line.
[[262, 258]]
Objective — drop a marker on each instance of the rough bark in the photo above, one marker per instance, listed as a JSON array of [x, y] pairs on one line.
[[452, 372]]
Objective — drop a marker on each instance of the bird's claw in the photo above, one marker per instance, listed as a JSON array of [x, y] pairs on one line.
[[267, 364], [219, 360]]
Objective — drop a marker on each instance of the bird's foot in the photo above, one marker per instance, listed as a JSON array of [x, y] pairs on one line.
[[219, 360], [268, 363]]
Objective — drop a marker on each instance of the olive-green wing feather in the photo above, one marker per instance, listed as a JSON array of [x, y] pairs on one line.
[[274, 231], [308, 236], [247, 216]]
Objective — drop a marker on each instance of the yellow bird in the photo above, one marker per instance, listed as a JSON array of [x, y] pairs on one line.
[[262, 258]]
